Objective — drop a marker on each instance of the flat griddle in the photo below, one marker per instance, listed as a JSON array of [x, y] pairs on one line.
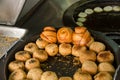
[[63, 66]]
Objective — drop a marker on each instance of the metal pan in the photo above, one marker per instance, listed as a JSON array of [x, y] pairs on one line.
[[58, 67], [104, 21], [8, 37]]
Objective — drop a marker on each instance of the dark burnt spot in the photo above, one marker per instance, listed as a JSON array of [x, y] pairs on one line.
[[104, 55], [32, 61], [30, 46]]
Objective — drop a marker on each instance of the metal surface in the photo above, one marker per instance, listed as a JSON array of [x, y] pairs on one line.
[[10, 10], [12, 31], [49, 13], [117, 73], [28, 6], [104, 21], [8, 37]]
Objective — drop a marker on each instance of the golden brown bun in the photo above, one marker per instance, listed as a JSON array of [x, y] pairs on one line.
[[79, 75], [32, 63], [97, 46], [64, 35], [18, 74], [87, 55], [31, 47], [16, 65], [103, 76], [22, 55], [76, 50], [52, 49], [77, 37], [89, 67], [49, 75], [107, 67], [34, 74], [105, 56], [65, 49], [49, 28], [85, 39], [81, 36], [41, 55], [41, 43], [49, 36]]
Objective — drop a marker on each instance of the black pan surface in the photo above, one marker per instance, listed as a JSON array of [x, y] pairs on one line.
[[104, 21], [63, 66]]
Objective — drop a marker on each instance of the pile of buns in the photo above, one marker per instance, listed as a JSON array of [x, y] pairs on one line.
[[95, 59]]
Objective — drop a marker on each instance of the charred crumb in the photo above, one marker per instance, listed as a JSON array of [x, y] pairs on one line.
[[62, 66], [32, 61]]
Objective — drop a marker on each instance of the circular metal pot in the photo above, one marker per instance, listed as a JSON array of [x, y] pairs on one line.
[[102, 21], [98, 36]]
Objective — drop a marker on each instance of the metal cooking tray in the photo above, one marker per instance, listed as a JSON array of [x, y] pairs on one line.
[[10, 10], [8, 37], [62, 66]]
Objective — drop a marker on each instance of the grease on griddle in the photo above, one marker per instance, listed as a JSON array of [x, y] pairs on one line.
[[62, 66]]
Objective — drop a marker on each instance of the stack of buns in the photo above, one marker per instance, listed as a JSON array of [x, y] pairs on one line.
[[80, 36]]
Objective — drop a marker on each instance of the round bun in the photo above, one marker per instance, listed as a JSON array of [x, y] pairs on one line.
[[106, 67], [41, 55], [85, 39], [34, 74], [97, 46], [77, 38], [16, 65], [41, 43], [65, 78], [51, 49], [64, 35], [49, 36], [103, 76], [89, 67], [49, 75], [77, 50], [105, 56], [79, 75], [81, 36], [32, 63], [65, 49], [87, 55], [18, 74], [31, 47], [22, 55]]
